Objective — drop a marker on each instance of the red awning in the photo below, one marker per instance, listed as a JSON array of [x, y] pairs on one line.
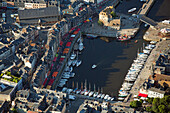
[[45, 81], [52, 66], [85, 21], [61, 59], [55, 58], [71, 38], [68, 44], [61, 43], [80, 8], [65, 36], [142, 95], [51, 82]]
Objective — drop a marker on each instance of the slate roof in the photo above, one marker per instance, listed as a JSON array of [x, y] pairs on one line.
[[38, 13]]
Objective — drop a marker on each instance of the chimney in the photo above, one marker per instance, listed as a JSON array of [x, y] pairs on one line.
[[69, 7], [77, 14]]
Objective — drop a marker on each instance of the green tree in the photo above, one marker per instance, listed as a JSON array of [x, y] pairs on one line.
[[162, 108], [148, 109], [14, 110], [155, 109], [100, 23], [156, 101], [135, 104], [150, 100], [113, 14]]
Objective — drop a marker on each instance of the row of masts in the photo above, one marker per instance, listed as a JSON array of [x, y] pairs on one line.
[[84, 86], [141, 49]]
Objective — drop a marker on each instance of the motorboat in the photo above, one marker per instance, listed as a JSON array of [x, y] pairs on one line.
[[69, 91], [74, 62], [64, 80], [95, 94], [69, 62], [146, 51], [99, 95], [123, 38], [125, 89], [69, 69], [78, 91], [120, 98], [72, 74], [91, 36], [64, 89], [112, 98], [94, 66], [66, 76], [106, 97], [78, 62], [153, 42], [87, 92], [109, 98], [102, 96], [73, 56], [81, 46], [123, 95], [91, 93], [131, 10], [74, 91], [83, 91]]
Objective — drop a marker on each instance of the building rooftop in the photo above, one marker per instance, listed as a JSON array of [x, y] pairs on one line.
[[7, 89], [156, 90], [38, 13]]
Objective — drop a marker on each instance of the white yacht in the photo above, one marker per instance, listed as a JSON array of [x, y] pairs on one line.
[[95, 94], [106, 97], [99, 95], [81, 46], [69, 62], [102, 96], [120, 98], [94, 66], [131, 10], [91, 93], [87, 92], [72, 74], [73, 56], [74, 62], [78, 62]]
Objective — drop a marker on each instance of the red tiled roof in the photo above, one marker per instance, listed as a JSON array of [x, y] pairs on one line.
[[68, 44]]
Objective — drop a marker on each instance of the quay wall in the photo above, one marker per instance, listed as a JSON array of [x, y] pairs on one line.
[[57, 80], [146, 7]]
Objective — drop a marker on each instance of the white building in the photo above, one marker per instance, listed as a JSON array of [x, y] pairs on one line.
[[154, 92]]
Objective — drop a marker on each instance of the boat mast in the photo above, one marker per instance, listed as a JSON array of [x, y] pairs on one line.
[[77, 85], [143, 45], [94, 88], [138, 52], [89, 86], [81, 85], [85, 84], [101, 90], [98, 90], [73, 85]]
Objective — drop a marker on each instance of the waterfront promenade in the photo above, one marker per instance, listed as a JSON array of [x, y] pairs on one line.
[[129, 26], [161, 47]]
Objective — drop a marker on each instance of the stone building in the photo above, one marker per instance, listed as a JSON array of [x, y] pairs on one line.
[[49, 15], [155, 93], [108, 19]]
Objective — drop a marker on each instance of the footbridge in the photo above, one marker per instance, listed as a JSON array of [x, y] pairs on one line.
[[147, 20]]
